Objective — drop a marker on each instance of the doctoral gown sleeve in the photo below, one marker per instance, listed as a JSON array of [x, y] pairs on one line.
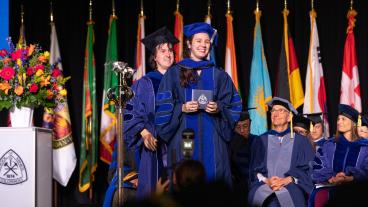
[[168, 105], [322, 165], [137, 114], [300, 168], [258, 160], [229, 104], [360, 171]]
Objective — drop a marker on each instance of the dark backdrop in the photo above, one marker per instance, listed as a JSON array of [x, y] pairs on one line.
[[71, 17]]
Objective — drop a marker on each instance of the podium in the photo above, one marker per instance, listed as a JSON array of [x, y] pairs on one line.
[[25, 167]]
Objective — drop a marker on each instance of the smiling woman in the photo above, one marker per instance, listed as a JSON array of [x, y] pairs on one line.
[[178, 109]]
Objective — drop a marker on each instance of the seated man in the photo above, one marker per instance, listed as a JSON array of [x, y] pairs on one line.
[[317, 133], [280, 161], [240, 147], [301, 125]]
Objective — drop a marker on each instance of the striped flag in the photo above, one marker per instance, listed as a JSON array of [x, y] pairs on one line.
[[260, 86], [230, 57], [289, 84], [58, 119], [315, 100], [140, 56], [212, 55], [178, 33], [89, 140], [108, 117], [350, 87]]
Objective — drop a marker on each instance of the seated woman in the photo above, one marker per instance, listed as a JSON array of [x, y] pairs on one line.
[[342, 160]]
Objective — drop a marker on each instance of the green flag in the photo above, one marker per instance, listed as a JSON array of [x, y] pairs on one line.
[[108, 118], [88, 151]]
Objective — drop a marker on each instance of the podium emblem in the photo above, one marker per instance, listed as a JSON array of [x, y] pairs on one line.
[[12, 169]]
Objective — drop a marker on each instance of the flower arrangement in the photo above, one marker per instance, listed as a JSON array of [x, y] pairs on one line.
[[28, 79]]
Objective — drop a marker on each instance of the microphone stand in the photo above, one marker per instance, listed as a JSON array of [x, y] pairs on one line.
[[124, 94]]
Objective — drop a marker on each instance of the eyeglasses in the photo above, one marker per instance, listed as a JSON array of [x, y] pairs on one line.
[[281, 111]]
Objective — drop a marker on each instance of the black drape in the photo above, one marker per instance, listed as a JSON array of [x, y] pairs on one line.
[[71, 17]]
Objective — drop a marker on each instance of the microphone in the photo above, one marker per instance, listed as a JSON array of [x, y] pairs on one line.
[[188, 143]]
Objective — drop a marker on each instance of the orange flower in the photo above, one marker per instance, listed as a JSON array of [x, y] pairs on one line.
[[19, 90], [5, 87], [42, 58], [7, 60], [50, 95], [45, 81], [31, 49]]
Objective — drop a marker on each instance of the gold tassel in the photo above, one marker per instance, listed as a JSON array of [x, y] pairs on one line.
[[359, 121], [311, 127], [291, 126]]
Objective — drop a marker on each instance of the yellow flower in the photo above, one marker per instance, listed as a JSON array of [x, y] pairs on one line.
[[39, 73], [19, 90], [63, 92], [19, 62], [5, 87], [20, 80], [46, 54]]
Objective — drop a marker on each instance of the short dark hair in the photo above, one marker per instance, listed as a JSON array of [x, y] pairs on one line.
[[189, 173]]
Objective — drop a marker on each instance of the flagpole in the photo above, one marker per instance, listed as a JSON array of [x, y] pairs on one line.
[[55, 184], [228, 7], [209, 8]]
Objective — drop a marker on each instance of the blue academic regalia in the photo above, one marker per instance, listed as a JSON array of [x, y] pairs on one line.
[[212, 131], [339, 156], [139, 114], [297, 166]]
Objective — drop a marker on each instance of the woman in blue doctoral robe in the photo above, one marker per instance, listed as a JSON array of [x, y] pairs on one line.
[[139, 129], [342, 159], [176, 110]]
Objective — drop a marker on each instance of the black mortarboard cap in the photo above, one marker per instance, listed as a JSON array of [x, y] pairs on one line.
[[301, 121], [244, 115], [315, 117], [348, 112], [160, 36], [282, 102]]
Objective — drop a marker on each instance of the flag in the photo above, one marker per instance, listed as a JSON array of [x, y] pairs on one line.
[[289, 85], [89, 141], [230, 57], [140, 56], [178, 33], [350, 87], [58, 119], [315, 100], [212, 55], [108, 117], [260, 86]]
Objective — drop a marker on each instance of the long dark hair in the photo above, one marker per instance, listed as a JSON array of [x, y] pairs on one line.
[[354, 132], [187, 75]]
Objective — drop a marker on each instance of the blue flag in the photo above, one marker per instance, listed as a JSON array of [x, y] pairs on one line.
[[260, 85]]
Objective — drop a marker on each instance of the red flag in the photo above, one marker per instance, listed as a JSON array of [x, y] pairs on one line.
[[350, 87], [178, 33], [289, 84]]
